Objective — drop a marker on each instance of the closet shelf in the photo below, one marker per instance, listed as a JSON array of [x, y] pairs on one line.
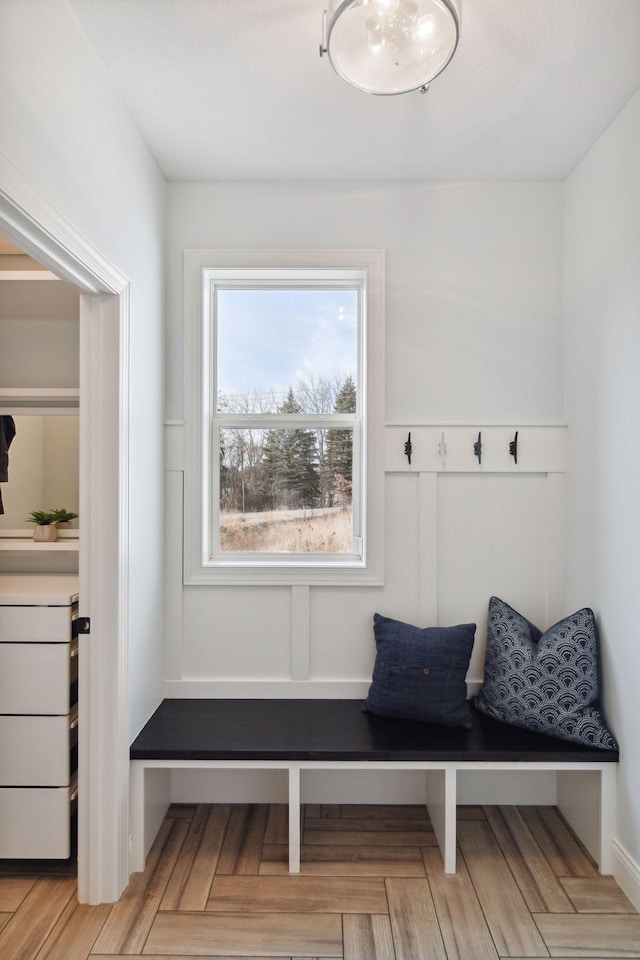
[[24, 544], [28, 397]]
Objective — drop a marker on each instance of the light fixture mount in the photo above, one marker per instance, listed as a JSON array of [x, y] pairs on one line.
[[387, 47]]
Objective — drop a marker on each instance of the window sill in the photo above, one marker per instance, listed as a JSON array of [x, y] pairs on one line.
[[338, 575]]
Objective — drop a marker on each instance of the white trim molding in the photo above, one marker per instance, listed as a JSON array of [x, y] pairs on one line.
[[266, 689], [41, 231], [449, 447], [626, 873], [284, 689], [27, 218], [202, 566]]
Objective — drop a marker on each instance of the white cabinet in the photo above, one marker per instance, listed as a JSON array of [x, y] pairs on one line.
[[35, 677], [35, 822], [38, 715], [36, 751]]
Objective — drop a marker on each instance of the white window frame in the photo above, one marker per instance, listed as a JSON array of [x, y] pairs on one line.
[[202, 565]]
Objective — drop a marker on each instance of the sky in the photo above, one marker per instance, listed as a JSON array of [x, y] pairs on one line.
[[270, 338]]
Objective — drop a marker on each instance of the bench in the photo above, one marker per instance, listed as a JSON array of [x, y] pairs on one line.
[[299, 735]]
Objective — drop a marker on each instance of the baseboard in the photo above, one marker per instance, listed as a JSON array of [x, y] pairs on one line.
[[277, 689], [627, 873], [267, 689]]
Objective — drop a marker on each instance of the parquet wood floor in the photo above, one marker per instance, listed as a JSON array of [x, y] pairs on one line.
[[371, 887]]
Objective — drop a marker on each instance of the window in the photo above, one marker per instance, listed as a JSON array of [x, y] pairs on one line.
[[281, 351]]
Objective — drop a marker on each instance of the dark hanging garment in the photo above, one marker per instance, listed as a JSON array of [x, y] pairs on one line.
[[7, 433]]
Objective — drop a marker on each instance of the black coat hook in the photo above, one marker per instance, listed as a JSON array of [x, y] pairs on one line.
[[477, 448], [513, 447], [408, 448]]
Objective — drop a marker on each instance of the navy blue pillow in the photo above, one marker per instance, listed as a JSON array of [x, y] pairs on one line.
[[419, 674], [547, 682]]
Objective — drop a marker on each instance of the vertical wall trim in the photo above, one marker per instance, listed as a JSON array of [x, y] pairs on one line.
[[173, 563], [103, 766], [427, 560], [555, 541], [300, 632], [174, 492]]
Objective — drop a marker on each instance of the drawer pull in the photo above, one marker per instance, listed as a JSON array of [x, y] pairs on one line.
[[80, 625], [73, 724], [74, 793]]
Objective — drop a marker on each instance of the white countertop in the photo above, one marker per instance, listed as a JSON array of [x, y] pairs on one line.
[[38, 590]]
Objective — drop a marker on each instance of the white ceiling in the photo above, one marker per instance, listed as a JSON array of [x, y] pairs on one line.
[[236, 90]]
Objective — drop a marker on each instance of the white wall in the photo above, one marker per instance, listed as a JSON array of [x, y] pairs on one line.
[[473, 282], [65, 130], [39, 339], [473, 334], [602, 304], [61, 468]]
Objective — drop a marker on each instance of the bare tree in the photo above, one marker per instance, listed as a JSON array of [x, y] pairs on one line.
[[244, 474], [318, 394], [242, 477]]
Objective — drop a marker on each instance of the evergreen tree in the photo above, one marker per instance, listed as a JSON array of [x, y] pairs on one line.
[[340, 442], [291, 459]]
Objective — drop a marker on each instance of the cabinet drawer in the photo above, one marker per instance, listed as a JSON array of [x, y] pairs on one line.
[[35, 677], [35, 751], [36, 624], [35, 823]]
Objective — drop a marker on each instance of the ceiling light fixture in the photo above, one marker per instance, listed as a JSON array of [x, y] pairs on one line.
[[387, 47]]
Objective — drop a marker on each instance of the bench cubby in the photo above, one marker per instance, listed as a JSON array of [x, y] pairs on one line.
[[296, 736]]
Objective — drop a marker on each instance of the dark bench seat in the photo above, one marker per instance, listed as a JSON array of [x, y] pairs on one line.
[[334, 730], [335, 734]]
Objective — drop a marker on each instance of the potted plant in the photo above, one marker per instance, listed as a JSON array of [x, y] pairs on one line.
[[62, 516], [45, 525]]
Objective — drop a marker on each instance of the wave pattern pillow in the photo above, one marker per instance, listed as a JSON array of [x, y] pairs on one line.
[[547, 682], [419, 674]]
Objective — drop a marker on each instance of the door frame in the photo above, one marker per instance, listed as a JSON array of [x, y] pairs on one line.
[[30, 221]]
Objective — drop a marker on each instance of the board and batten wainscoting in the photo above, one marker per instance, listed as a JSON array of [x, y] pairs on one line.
[[456, 532]]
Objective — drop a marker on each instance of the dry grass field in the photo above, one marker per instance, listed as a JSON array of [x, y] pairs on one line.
[[325, 530]]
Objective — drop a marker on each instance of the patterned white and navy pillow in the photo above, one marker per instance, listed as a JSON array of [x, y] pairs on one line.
[[419, 673], [548, 681]]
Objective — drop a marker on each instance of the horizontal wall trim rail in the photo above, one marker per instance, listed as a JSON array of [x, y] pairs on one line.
[[445, 447], [475, 448], [283, 689], [267, 689], [444, 424]]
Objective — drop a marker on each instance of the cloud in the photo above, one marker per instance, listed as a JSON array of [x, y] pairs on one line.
[[270, 338]]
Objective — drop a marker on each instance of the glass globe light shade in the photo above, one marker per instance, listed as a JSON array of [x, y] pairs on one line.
[[387, 47]]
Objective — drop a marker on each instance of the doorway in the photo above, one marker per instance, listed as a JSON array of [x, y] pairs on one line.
[[103, 762]]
